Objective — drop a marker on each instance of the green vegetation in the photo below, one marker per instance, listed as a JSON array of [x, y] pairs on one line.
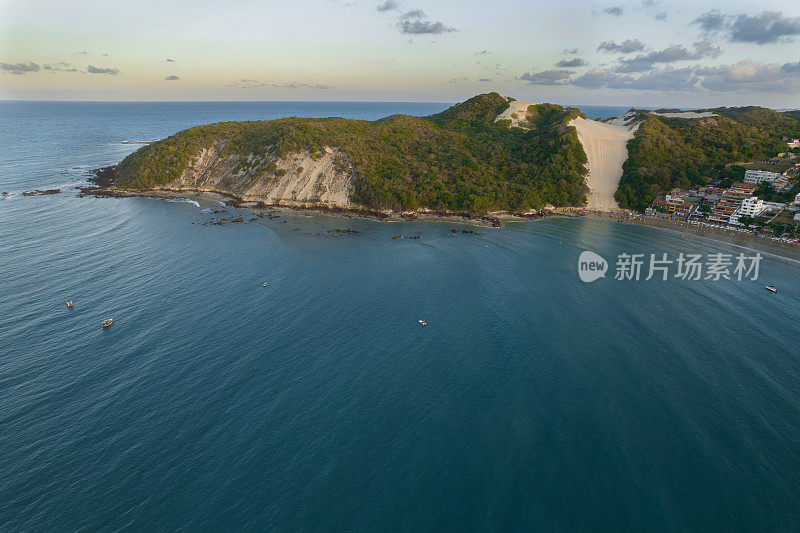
[[458, 160], [762, 118], [462, 160], [671, 152], [795, 114]]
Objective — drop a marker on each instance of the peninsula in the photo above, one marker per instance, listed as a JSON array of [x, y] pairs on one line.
[[489, 154]]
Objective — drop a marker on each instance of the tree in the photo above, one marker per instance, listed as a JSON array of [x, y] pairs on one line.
[[746, 221], [704, 210]]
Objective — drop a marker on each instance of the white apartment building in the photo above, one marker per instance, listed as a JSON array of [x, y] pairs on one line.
[[750, 207], [759, 176]]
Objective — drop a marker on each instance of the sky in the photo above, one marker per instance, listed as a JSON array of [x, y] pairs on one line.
[[639, 52]]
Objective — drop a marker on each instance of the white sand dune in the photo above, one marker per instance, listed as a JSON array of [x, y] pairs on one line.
[[516, 113], [606, 149]]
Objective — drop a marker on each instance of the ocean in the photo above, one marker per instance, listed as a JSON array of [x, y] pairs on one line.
[[531, 400]]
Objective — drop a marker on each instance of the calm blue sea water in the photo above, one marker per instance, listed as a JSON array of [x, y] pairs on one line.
[[530, 401]]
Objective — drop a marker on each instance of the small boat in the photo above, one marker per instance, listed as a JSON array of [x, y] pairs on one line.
[[422, 323], [107, 322], [770, 288], [69, 304], [265, 283]]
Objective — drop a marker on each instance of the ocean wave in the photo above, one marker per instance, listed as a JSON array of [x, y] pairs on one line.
[[183, 200]]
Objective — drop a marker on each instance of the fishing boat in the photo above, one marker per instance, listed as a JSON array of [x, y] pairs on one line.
[[107, 322], [69, 304], [422, 323], [770, 288]]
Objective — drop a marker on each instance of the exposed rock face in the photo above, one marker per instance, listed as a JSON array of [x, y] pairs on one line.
[[323, 178]]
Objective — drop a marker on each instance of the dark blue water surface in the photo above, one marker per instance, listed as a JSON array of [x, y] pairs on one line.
[[530, 401]]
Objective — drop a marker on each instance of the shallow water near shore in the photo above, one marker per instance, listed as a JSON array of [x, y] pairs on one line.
[[531, 399]]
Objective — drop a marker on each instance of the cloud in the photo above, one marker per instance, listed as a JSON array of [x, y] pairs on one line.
[[570, 63], [59, 66], [168, 60], [614, 11], [484, 79], [768, 27], [664, 80], [83, 53], [711, 21], [750, 76], [791, 67], [482, 53], [627, 46], [388, 5], [671, 54], [415, 22], [569, 51], [660, 16], [173, 77], [20, 68], [246, 83], [299, 85], [598, 78], [102, 70], [547, 77], [746, 76]]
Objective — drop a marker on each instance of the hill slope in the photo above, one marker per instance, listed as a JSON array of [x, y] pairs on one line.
[[676, 152], [762, 118], [460, 160]]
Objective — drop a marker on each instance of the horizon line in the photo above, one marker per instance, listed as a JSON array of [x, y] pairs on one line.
[[629, 106]]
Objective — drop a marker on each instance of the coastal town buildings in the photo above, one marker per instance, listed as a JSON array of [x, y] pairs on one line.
[[730, 202], [750, 207], [678, 205], [711, 194], [757, 177]]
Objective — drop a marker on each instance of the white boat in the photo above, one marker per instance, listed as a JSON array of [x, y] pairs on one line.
[[69, 304], [422, 323], [770, 288]]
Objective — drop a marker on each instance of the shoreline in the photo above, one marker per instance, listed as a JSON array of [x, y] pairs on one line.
[[720, 234], [495, 219], [104, 188]]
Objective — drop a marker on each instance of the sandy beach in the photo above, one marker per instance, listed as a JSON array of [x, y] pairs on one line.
[[750, 241]]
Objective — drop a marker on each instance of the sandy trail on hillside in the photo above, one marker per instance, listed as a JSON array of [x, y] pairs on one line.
[[517, 113], [606, 149]]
